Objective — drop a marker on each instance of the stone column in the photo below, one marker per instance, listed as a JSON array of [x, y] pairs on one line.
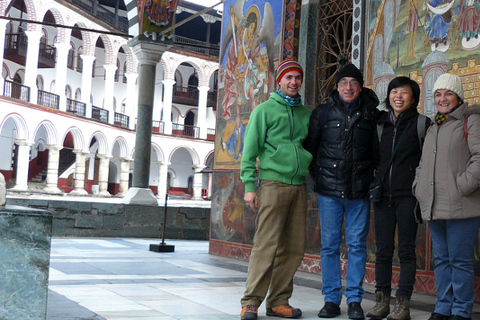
[[197, 182], [23, 163], [202, 111], [3, 27], [103, 175], [130, 107], [31, 65], [307, 49], [167, 105], [109, 87], [52, 169], [79, 187], [87, 67], [61, 73], [162, 179], [148, 54], [124, 176]]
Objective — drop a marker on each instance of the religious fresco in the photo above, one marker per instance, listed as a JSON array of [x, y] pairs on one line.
[[155, 15], [256, 36], [423, 39]]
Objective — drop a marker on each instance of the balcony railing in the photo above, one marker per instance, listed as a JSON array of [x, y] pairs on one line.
[[208, 49], [102, 13], [158, 126], [48, 99], [100, 114], [185, 95], [16, 90], [184, 130], [16, 50], [76, 107], [210, 134], [121, 120]]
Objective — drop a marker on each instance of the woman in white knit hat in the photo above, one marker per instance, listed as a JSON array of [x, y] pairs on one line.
[[447, 188]]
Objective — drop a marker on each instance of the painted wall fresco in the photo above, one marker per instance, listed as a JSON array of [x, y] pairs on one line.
[[424, 39], [255, 34]]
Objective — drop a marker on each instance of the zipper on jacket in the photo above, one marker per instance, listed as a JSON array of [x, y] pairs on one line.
[[292, 130], [391, 165]]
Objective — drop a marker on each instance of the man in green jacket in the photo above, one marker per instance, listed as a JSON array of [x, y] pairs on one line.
[[275, 134]]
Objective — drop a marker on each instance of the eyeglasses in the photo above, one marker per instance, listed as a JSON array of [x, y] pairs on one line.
[[344, 83]]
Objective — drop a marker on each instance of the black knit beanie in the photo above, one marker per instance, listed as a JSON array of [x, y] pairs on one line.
[[350, 70]]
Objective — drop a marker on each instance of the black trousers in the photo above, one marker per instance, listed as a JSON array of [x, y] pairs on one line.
[[391, 213]]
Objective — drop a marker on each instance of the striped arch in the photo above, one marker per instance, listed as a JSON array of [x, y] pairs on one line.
[[86, 38], [20, 125], [122, 147], [193, 154], [131, 59], [52, 135], [110, 56], [78, 139], [102, 143], [59, 19]]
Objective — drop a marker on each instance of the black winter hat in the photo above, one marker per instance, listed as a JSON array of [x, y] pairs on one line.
[[350, 70]]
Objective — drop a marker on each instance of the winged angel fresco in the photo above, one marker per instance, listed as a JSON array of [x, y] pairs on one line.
[[247, 59]]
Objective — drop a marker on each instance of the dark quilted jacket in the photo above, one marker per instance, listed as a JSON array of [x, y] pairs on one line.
[[341, 146]]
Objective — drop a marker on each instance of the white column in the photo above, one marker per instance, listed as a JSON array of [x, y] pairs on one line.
[[52, 169], [109, 87], [61, 73], [79, 186], [202, 111], [124, 176], [3, 27], [23, 163], [103, 175], [197, 182], [131, 106], [31, 65], [87, 67], [162, 179], [167, 105]]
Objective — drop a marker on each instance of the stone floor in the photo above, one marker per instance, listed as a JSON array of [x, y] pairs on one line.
[[120, 279]]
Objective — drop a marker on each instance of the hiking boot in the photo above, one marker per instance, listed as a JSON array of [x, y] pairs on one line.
[[438, 316], [249, 312], [284, 311], [401, 309], [381, 308]]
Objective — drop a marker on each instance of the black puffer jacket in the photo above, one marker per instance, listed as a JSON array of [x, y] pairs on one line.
[[403, 136], [342, 164]]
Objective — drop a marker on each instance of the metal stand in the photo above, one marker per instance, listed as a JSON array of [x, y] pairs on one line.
[[163, 247]]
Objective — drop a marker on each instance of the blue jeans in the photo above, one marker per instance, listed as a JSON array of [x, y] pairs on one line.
[[453, 247], [332, 211]]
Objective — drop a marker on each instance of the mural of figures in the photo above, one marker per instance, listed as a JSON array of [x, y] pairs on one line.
[[250, 49], [423, 39], [247, 70], [437, 23], [156, 15], [469, 23]]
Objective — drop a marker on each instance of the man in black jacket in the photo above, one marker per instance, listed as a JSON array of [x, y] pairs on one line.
[[340, 138]]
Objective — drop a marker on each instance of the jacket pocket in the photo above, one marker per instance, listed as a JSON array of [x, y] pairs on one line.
[[328, 174]]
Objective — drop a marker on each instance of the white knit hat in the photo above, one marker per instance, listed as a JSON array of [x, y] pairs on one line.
[[450, 82]]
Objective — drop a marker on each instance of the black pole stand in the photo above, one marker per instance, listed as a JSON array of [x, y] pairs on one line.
[[163, 247]]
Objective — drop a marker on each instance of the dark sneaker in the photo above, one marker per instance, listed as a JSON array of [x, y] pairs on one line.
[[438, 316], [456, 317], [329, 310], [355, 311], [284, 311], [249, 312]]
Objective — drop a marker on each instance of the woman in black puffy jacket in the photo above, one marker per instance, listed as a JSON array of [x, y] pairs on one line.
[[400, 132]]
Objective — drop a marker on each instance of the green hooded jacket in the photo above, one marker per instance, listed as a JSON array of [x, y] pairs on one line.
[[275, 134]]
